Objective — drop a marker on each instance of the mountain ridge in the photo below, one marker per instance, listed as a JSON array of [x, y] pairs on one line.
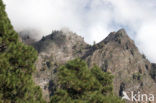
[[117, 54]]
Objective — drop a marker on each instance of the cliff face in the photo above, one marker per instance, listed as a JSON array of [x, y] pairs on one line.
[[55, 50], [116, 54], [119, 55]]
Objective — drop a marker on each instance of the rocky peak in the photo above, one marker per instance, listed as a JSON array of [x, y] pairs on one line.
[[121, 39], [59, 39], [27, 37], [63, 36], [118, 54], [117, 36], [117, 40]]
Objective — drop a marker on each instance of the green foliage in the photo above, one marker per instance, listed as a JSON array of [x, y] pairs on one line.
[[16, 66], [79, 84], [7, 34], [137, 76]]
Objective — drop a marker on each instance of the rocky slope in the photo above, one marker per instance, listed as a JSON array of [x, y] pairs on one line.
[[116, 54], [119, 55]]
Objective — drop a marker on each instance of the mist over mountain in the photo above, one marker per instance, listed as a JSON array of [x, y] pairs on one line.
[[92, 19]]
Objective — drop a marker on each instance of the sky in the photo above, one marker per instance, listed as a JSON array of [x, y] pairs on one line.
[[92, 19]]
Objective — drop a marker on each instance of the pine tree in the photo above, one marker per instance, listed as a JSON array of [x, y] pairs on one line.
[[16, 66], [79, 84]]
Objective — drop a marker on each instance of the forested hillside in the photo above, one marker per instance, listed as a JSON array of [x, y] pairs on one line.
[[79, 84]]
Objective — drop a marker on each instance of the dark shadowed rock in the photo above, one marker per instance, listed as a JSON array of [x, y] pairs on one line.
[[153, 71]]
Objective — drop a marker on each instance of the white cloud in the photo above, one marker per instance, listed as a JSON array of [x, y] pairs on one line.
[[146, 40], [92, 19]]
